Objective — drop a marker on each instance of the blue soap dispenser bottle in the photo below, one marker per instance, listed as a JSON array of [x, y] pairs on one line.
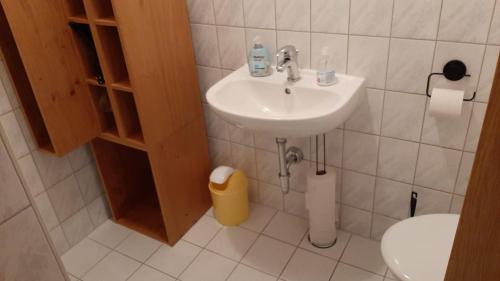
[[259, 62]]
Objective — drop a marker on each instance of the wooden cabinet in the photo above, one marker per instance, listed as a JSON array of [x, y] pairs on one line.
[[126, 80]]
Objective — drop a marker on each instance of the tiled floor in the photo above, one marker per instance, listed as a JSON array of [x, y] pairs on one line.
[[271, 245]]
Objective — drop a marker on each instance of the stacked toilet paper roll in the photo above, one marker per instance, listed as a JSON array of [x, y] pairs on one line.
[[320, 202], [446, 103]]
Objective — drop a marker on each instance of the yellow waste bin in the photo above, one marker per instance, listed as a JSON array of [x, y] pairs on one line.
[[229, 190]]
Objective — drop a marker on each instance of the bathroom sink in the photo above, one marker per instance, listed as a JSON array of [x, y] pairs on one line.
[[284, 109]]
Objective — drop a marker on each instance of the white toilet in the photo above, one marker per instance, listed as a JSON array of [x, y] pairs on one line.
[[418, 249]]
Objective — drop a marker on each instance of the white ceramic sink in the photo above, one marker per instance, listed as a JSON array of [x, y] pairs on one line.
[[261, 104]]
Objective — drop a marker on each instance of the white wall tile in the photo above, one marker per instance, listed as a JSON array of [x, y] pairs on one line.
[[447, 132], [431, 201], [89, 183], [59, 240], [66, 198], [271, 195], [244, 159], [99, 211], [465, 20], [229, 12], [380, 224], [355, 220], [397, 159], [232, 44], [207, 77], [358, 190], [216, 126], [371, 17], [360, 152], [201, 11], [334, 147], [416, 19], [5, 105], [25, 129], [403, 115], [494, 37], [8, 85], [331, 16], [392, 198], [241, 136], [301, 40], [410, 62], [206, 48], [367, 57], [367, 117], [220, 152], [295, 204], [457, 204], [77, 227], [437, 167], [52, 169], [470, 54], [260, 13], [464, 173], [487, 72], [293, 15], [337, 51], [267, 167], [476, 124]]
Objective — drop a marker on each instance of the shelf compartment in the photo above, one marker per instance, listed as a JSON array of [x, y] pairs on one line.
[[86, 48], [113, 54], [76, 9], [78, 19], [122, 86], [130, 187], [129, 118], [103, 107], [102, 11]]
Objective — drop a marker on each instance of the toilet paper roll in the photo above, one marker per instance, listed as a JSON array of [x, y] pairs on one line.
[[320, 202], [446, 103]]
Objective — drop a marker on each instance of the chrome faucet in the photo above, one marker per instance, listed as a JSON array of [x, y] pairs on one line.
[[287, 59]]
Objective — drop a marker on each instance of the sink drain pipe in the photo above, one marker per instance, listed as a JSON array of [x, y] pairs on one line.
[[287, 157]]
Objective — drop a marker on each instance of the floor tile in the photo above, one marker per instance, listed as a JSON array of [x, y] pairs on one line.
[[173, 260], [110, 234], [232, 242], [114, 267], [208, 267], [138, 246], [333, 252], [365, 254], [268, 255], [203, 231], [305, 265], [72, 278], [345, 272], [81, 258], [287, 228], [259, 217], [146, 273], [390, 276], [245, 273]]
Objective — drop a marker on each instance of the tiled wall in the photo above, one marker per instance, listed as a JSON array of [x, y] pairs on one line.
[[66, 191], [390, 146], [25, 252]]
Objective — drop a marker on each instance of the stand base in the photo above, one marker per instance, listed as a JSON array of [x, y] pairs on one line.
[[322, 246]]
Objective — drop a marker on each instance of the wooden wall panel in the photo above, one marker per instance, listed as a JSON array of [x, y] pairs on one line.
[[44, 41], [476, 250]]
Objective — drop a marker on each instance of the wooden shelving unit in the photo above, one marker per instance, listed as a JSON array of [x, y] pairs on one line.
[[116, 74]]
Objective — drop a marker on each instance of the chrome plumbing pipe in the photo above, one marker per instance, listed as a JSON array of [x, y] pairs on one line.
[[287, 157]]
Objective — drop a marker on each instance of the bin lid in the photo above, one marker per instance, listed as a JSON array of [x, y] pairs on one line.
[[221, 174]]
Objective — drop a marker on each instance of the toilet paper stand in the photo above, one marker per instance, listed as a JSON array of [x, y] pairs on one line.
[[453, 70]]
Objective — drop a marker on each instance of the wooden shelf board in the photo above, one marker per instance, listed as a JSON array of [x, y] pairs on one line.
[[78, 19], [145, 216], [93, 82], [122, 86], [126, 142], [110, 21]]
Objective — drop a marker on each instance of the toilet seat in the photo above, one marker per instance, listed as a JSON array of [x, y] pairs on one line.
[[418, 249]]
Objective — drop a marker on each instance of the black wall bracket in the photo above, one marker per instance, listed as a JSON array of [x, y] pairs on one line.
[[453, 70]]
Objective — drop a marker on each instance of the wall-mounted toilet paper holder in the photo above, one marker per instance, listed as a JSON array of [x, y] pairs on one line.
[[453, 70]]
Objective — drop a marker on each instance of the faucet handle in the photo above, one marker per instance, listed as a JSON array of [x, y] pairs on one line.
[[288, 51]]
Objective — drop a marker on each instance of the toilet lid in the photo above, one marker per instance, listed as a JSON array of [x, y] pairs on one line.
[[418, 249]]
